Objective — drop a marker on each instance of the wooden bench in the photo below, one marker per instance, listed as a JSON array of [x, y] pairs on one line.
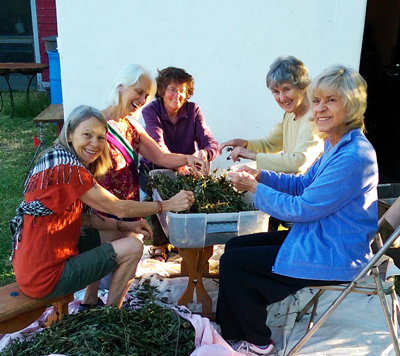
[[17, 310], [54, 113]]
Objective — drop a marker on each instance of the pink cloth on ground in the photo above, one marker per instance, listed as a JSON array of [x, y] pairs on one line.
[[207, 340]]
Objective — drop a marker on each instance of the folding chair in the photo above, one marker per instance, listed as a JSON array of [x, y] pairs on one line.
[[381, 287]]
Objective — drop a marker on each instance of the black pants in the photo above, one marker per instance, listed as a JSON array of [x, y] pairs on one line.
[[247, 286]]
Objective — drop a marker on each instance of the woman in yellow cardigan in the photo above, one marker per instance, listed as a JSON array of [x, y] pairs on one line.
[[293, 144]]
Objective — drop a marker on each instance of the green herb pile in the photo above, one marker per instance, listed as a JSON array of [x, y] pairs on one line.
[[212, 194], [143, 328]]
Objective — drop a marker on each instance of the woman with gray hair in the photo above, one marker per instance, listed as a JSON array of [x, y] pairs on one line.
[[333, 207], [51, 255], [293, 144]]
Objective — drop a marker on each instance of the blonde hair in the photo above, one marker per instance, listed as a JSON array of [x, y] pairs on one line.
[[350, 86], [82, 113]]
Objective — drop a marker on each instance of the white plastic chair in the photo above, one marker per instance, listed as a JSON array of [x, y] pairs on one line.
[[372, 272]]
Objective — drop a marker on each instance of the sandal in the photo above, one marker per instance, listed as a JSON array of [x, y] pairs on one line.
[[157, 253]]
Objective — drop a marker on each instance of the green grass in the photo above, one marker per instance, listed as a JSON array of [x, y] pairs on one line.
[[16, 152]]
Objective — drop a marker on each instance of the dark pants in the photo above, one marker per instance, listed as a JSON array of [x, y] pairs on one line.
[[247, 286]]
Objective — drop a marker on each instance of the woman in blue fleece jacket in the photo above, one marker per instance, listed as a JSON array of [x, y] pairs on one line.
[[333, 208]]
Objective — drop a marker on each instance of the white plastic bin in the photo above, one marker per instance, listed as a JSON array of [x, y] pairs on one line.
[[200, 230]]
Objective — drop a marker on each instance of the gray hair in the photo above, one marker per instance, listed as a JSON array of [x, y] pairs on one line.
[[350, 86], [288, 69], [130, 75], [76, 117]]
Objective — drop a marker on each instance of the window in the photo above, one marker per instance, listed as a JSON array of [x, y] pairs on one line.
[[16, 36]]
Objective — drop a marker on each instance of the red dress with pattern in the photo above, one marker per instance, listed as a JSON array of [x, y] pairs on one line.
[[119, 180], [48, 241]]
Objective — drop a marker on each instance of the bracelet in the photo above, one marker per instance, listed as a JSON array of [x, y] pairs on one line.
[[160, 207], [119, 226]]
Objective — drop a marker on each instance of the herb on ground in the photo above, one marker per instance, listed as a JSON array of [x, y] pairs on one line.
[[212, 194], [145, 327]]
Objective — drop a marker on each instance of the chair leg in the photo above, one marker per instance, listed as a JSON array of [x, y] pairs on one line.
[[314, 304], [395, 304], [386, 312], [395, 308], [321, 320], [312, 316]]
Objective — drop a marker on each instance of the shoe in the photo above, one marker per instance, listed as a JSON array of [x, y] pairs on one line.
[[159, 253], [246, 348], [174, 249], [83, 307]]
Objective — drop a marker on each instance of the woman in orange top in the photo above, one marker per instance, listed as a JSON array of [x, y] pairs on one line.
[[49, 253]]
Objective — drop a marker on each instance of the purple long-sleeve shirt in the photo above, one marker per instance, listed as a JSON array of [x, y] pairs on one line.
[[189, 130]]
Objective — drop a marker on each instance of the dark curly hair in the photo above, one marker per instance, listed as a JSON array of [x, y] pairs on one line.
[[176, 75]]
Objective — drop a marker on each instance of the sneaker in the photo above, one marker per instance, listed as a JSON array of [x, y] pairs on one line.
[[246, 348]]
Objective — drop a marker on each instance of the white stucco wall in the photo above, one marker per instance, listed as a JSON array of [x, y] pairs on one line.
[[227, 45]]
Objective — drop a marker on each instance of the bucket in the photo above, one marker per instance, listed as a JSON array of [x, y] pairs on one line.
[[55, 77]]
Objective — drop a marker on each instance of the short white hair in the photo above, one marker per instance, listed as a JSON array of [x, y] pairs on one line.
[[130, 75]]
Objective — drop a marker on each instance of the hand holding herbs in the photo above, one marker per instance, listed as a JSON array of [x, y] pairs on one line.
[[181, 201], [211, 194], [243, 180]]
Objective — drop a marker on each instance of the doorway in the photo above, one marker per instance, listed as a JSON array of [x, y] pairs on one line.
[[380, 66]]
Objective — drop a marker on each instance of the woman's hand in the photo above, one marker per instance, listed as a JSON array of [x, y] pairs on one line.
[[241, 152], [237, 142], [202, 154], [197, 164], [184, 170], [179, 202], [139, 227], [243, 181], [254, 172]]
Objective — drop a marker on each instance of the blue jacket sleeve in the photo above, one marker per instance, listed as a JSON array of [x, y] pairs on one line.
[[327, 187]]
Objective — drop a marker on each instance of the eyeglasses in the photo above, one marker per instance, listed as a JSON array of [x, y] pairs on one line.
[[173, 91]]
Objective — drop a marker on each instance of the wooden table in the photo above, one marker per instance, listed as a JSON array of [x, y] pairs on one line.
[[194, 262], [195, 266], [29, 69]]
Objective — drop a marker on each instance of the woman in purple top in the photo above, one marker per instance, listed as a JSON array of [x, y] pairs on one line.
[[178, 126]]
